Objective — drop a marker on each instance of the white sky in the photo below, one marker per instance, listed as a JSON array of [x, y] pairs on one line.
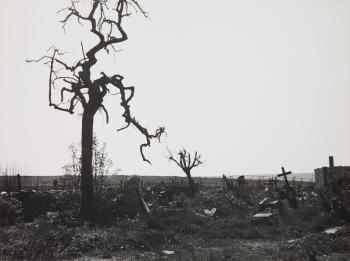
[[252, 85]]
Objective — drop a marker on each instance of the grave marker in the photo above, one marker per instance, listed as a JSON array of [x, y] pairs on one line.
[[19, 184], [290, 192], [284, 174]]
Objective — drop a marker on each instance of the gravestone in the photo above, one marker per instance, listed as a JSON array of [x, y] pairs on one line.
[[272, 186], [229, 183], [131, 202], [132, 186], [55, 184], [269, 184], [242, 187]]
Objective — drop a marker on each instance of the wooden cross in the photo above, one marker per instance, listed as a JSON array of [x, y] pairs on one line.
[[284, 174]]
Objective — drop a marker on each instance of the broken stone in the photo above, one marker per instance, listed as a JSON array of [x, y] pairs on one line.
[[199, 214], [314, 194], [132, 186], [3, 194], [262, 215], [333, 230], [262, 202], [274, 204], [262, 218], [168, 252], [145, 206], [210, 213]]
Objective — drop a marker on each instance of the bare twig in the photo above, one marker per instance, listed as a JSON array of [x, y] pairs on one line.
[[83, 89], [184, 160]]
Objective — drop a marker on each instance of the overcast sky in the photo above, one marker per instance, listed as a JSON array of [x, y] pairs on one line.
[[252, 85]]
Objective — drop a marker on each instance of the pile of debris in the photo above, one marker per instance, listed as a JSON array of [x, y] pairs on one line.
[[267, 209], [11, 210], [330, 240]]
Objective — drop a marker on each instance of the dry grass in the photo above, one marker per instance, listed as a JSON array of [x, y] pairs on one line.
[[231, 235]]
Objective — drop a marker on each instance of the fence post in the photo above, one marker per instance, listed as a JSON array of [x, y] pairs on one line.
[[55, 184], [19, 184]]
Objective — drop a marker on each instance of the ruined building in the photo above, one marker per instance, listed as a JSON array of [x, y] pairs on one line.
[[326, 177]]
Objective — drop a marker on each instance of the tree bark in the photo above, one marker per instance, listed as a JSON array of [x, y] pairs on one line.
[[87, 190], [191, 182]]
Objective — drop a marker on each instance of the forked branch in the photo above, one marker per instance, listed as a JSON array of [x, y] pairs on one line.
[[185, 162], [126, 95], [81, 87]]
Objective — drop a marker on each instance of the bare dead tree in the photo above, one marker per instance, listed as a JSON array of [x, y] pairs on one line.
[[76, 85], [187, 163]]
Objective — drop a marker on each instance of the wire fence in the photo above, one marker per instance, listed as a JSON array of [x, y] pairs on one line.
[[10, 183]]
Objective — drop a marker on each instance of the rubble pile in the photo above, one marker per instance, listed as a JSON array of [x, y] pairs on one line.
[[164, 219], [322, 242]]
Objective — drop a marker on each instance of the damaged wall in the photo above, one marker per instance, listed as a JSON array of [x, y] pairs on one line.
[[340, 174]]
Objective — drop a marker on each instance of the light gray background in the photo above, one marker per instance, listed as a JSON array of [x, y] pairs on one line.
[[251, 84]]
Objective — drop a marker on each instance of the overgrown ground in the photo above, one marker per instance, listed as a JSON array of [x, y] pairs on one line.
[[184, 228]]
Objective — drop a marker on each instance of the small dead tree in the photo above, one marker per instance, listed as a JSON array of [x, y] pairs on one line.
[[187, 163], [77, 86], [100, 162]]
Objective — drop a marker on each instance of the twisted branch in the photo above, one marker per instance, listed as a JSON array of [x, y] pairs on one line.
[[116, 81], [82, 88]]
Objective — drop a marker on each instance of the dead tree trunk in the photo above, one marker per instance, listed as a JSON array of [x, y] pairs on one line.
[[87, 200], [191, 182], [88, 92], [186, 163]]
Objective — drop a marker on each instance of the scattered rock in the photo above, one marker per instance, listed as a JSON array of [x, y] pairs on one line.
[[262, 202], [334, 230], [210, 213], [263, 218], [262, 215], [168, 252]]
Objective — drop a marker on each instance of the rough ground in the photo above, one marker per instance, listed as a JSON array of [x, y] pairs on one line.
[[231, 234]]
